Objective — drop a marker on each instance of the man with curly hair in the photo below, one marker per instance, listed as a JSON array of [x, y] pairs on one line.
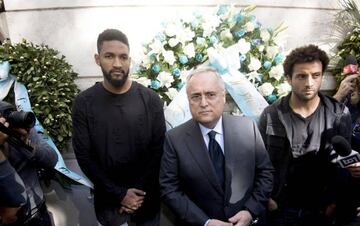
[[297, 130]]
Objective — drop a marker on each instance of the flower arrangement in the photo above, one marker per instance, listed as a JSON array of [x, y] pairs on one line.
[[184, 44], [347, 27]]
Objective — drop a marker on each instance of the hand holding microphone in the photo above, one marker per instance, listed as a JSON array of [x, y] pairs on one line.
[[348, 158], [350, 83]]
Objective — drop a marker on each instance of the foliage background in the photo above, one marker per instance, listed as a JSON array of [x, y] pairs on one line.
[[50, 83], [347, 35]]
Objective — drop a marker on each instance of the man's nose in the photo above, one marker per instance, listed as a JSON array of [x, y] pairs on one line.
[[309, 81], [204, 101], [117, 62]]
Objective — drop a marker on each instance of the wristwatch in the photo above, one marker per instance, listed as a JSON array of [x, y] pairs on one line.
[[255, 219]]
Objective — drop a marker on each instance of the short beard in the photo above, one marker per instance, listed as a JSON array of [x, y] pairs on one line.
[[117, 83]]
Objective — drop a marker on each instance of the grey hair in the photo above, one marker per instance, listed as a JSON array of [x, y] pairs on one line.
[[206, 69]]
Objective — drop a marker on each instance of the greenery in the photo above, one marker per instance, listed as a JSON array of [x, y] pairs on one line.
[[184, 44], [347, 34], [50, 83]]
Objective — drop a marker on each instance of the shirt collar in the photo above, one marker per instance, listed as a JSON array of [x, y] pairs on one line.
[[218, 128]]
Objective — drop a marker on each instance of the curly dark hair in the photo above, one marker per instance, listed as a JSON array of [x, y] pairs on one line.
[[305, 54]]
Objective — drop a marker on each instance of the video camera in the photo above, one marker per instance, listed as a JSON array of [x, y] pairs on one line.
[[16, 119]]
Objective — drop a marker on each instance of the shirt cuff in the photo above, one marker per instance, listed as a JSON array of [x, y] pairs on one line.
[[207, 223]]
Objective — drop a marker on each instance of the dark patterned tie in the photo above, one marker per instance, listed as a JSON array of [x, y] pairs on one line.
[[217, 157]]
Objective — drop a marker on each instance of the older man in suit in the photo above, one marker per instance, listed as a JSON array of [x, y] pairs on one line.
[[215, 169]]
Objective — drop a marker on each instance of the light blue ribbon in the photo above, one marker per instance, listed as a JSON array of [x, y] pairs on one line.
[[227, 63], [247, 98], [22, 102]]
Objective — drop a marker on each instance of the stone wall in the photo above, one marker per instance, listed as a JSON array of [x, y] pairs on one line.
[[72, 26]]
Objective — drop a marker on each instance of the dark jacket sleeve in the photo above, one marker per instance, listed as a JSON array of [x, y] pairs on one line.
[[82, 148], [263, 182], [151, 174], [171, 192], [13, 193], [44, 156]]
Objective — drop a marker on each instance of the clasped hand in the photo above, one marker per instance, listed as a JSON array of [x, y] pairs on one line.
[[242, 218], [132, 200]]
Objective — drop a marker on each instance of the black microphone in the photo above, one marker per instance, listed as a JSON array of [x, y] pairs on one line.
[[347, 156], [351, 67]]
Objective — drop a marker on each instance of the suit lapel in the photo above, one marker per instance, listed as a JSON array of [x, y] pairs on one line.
[[194, 139], [229, 152]]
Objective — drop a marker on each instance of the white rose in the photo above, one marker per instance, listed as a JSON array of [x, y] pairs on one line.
[[173, 42], [210, 25], [254, 65], [283, 89], [250, 26], [156, 46], [143, 81], [171, 93], [266, 89], [169, 57], [165, 79], [189, 50], [271, 51], [185, 35], [265, 35], [277, 72], [244, 46]]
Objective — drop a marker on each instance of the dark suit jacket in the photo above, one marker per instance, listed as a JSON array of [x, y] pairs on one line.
[[189, 186]]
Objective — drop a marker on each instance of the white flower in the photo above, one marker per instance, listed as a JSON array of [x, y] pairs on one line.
[[165, 79], [185, 34], [210, 25], [271, 51], [244, 46], [265, 35], [173, 42], [254, 65], [156, 47], [189, 50], [143, 81], [169, 57], [253, 76], [146, 61], [276, 72], [171, 93], [171, 29], [250, 26], [283, 89], [266, 89]]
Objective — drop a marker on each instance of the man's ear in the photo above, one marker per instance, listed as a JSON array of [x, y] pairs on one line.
[[288, 79], [97, 59]]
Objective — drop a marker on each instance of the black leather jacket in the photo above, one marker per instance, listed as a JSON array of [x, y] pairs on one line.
[[274, 124]]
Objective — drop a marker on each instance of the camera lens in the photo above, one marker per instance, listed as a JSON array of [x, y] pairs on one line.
[[22, 119]]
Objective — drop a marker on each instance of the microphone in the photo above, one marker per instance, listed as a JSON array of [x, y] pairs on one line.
[[351, 65], [347, 156]]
